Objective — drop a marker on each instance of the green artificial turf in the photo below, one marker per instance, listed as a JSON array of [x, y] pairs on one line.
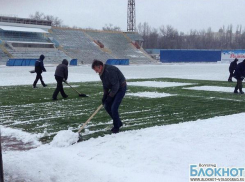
[[32, 110]]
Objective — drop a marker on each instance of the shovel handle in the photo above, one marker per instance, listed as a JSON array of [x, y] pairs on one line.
[[95, 112], [72, 87]]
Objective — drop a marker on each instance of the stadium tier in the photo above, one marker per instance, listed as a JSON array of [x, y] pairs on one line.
[[78, 45], [3, 57], [65, 43], [86, 45], [120, 46]]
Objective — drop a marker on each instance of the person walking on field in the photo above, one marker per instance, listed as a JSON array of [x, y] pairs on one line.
[[114, 87], [232, 68], [61, 74], [239, 75], [39, 68]]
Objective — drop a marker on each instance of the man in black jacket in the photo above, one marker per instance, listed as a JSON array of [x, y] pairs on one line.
[[232, 68], [39, 68], [239, 75], [114, 86], [61, 74]]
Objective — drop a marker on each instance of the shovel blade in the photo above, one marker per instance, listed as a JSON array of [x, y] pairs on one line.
[[83, 95]]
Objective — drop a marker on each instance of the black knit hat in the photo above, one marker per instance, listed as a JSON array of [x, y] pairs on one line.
[[65, 62], [42, 57]]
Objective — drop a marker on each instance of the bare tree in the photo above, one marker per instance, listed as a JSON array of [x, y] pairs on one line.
[[110, 27], [37, 16], [55, 21], [167, 37]]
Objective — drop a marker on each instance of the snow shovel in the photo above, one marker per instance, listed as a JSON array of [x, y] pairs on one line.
[[80, 95], [84, 124]]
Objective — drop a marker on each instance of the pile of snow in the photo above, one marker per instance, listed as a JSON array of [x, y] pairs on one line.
[[150, 94], [21, 135], [64, 138]]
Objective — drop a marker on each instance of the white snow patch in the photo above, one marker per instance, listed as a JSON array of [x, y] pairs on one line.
[[66, 86], [21, 135], [158, 84], [151, 154], [64, 138], [19, 75], [150, 94], [212, 88]]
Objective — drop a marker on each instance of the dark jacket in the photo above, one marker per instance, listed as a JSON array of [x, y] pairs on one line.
[[112, 79], [39, 67], [62, 71], [240, 71], [233, 66]]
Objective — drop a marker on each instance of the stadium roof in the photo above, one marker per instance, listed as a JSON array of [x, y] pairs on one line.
[[22, 29]]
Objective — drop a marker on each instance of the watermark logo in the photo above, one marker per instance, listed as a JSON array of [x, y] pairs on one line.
[[211, 172]]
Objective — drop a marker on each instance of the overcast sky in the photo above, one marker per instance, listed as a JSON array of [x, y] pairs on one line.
[[183, 15]]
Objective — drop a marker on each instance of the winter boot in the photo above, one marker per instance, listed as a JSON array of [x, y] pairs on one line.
[[115, 130], [65, 96]]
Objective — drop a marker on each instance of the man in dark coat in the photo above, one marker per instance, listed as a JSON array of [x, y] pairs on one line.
[[61, 74], [232, 68], [239, 75], [39, 68], [114, 87]]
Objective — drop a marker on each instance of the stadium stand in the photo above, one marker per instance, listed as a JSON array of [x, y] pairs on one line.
[[78, 45], [27, 39], [120, 46], [22, 36], [3, 57], [135, 37]]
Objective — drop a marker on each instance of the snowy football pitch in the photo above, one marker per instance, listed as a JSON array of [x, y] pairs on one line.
[[148, 102]]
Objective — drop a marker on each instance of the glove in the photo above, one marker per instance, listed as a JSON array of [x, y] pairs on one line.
[[104, 99], [108, 100], [64, 80]]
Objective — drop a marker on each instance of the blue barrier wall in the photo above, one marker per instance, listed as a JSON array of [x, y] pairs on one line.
[[117, 61], [21, 62], [73, 62], [167, 56]]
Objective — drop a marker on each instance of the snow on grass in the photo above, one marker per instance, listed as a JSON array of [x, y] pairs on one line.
[[157, 154], [153, 154], [158, 84], [212, 88], [149, 94]]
